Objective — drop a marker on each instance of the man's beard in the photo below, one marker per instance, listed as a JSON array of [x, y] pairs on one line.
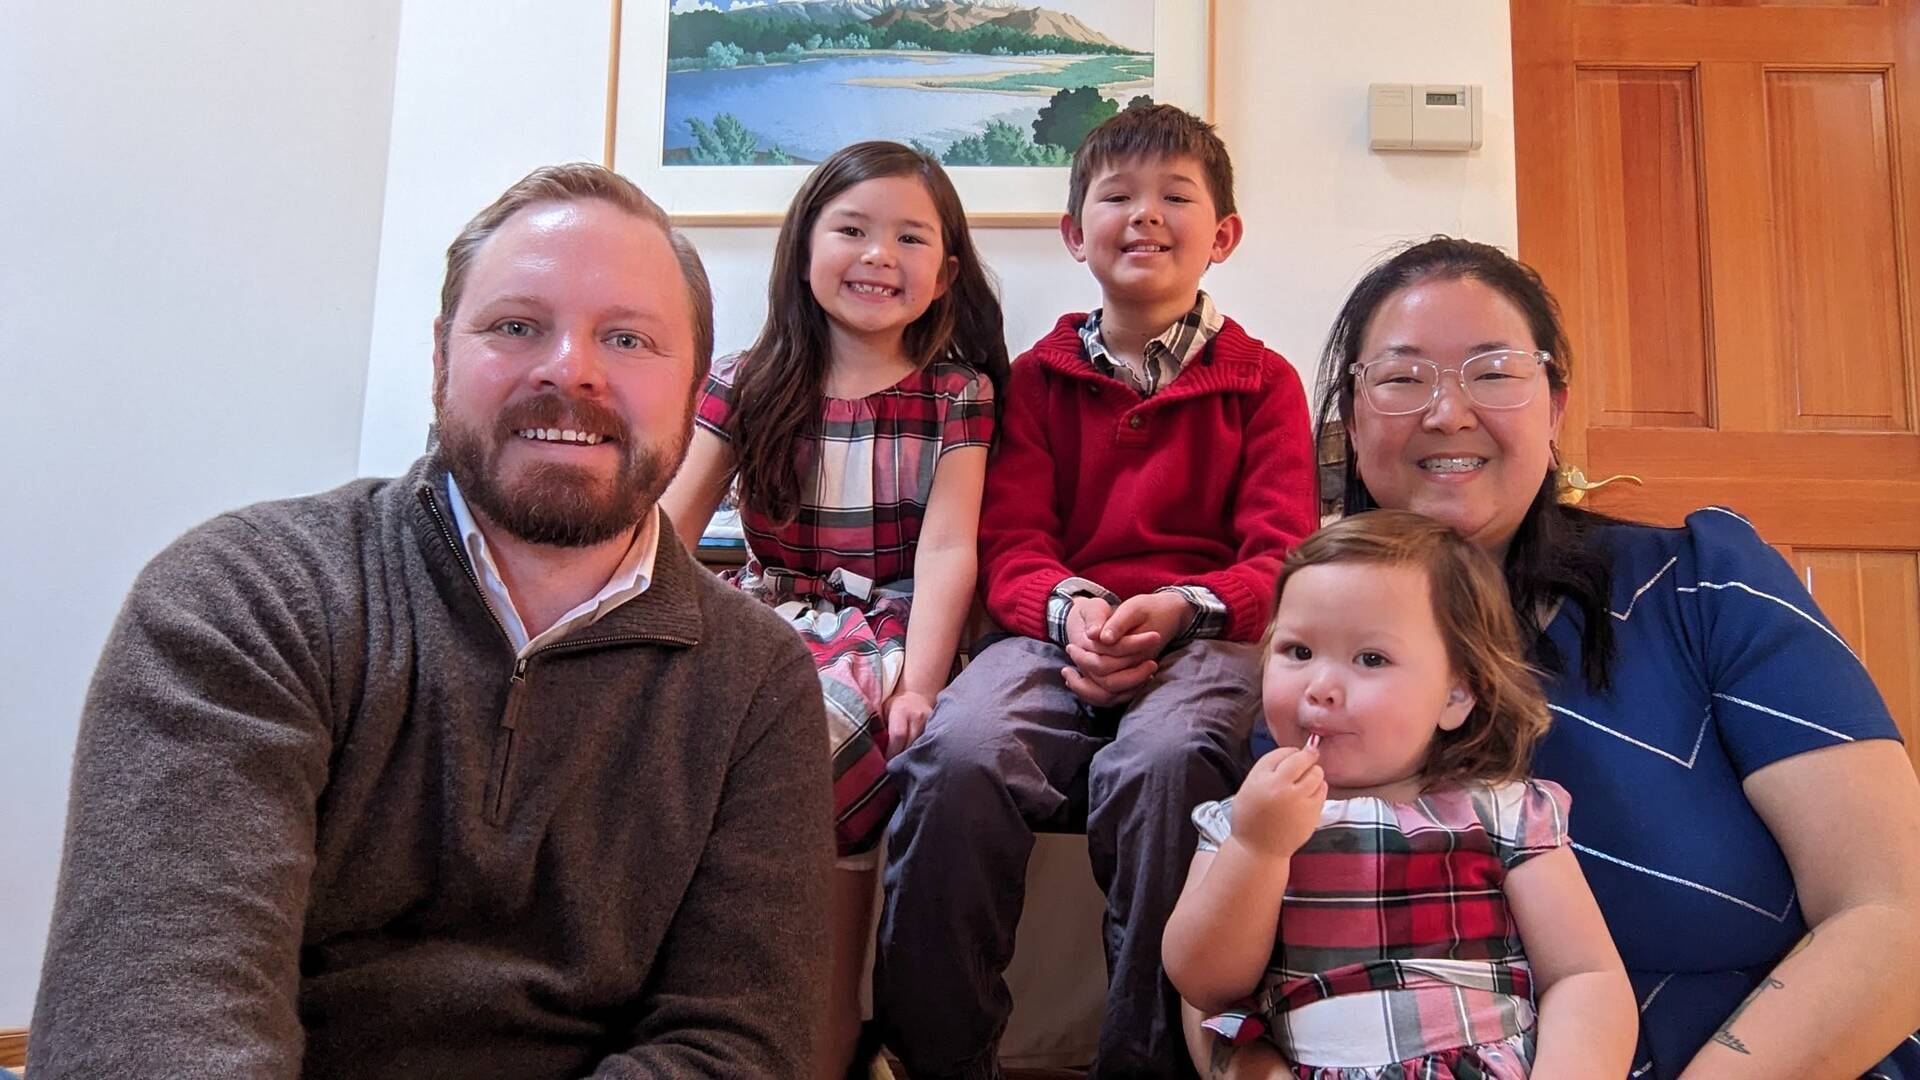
[[552, 503]]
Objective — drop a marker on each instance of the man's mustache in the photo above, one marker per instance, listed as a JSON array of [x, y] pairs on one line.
[[554, 410]]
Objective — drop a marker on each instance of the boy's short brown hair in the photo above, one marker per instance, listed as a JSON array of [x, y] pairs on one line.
[[1152, 131]]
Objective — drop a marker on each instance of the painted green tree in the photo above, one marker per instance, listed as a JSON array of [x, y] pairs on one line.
[[1003, 144], [727, 142], [1065, 120]]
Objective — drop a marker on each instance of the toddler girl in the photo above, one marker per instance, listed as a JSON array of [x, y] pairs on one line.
[[1386, 896]]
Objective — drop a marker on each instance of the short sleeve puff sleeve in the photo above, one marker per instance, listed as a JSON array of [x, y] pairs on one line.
[[968, 413], [1214, 820], [1532, 819], [716, 396]]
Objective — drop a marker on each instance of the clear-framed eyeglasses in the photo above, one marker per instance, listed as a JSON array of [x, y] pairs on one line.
[[1501, 379]]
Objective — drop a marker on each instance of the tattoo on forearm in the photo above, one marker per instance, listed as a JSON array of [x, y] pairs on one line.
[[1725, 1036]]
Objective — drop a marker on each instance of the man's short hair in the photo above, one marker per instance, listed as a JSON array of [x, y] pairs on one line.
[[573, 182], [1152, 131]]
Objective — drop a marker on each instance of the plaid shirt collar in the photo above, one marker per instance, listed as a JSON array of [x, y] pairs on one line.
[[1166, 356]]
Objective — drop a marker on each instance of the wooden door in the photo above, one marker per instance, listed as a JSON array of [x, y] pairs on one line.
[[1725, 197]]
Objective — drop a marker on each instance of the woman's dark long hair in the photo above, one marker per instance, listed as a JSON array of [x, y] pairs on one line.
[[1556, 555], [782, 376]]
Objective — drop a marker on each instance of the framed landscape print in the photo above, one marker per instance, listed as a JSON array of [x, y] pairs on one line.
[[718, 108]]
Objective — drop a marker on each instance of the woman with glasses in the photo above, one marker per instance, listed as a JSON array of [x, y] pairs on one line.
[[1741, 805]]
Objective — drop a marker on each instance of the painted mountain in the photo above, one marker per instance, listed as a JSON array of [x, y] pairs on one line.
[[952, 24], [959, 16], [975, 82]]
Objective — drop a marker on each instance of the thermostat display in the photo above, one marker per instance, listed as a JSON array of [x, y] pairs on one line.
[[1408, 116]]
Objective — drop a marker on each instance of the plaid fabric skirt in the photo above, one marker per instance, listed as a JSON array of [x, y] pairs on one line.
[[1507, 1059], [857, 632], [1510, 1058]]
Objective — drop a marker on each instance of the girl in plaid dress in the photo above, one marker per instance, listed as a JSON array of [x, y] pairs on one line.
[[856, 430], [1387, 896]]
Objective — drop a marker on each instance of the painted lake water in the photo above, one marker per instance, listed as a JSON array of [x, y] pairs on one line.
[[809, 110]]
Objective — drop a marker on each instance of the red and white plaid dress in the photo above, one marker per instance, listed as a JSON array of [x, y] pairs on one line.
[[842, 571], [1396, 956]]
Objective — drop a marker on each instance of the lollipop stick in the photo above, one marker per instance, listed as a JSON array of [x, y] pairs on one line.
[[1313, 741]]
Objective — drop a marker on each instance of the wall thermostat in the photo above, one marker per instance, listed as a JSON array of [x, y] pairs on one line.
[[1423, 116]]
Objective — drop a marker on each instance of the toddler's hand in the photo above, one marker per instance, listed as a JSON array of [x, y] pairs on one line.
[[906, 716], [1278, 806]]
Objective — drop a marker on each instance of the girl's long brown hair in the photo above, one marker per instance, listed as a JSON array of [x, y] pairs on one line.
[[1475, 619], [782, 376]]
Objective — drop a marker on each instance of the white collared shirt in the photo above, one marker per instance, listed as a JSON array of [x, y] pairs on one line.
[[629, 579]]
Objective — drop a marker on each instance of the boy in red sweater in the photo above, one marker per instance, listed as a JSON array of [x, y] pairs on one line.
[[1155, 464]]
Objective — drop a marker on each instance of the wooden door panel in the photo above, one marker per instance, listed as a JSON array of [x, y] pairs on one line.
[[1735, 3], [1841, 308], [1873, 600], [1641, 242], [1759, 454], [1676, 35], [1748, 390], [1791, 511]]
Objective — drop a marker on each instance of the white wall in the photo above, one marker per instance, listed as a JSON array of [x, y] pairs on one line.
[[191, 212], [484, 93], [1291, 101], [1290, 91]]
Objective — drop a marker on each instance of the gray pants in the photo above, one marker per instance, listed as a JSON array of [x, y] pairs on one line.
[[1010, 748]]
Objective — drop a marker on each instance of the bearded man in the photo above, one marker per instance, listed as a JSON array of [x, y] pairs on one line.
[[472, 772]]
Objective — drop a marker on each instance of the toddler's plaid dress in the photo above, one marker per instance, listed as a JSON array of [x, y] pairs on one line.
[[1396, 956]]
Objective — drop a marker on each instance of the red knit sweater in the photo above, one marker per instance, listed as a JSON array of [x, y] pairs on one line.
[[1209, 482]]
